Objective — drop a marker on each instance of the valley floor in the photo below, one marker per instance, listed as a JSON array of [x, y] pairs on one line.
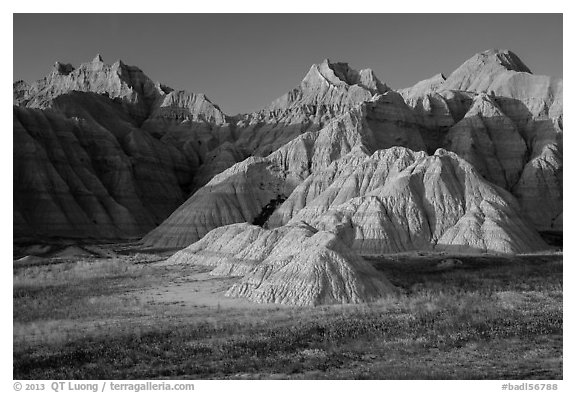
[[124, 316]]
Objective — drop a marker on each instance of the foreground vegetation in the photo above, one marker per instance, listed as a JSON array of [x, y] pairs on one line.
[[491, 317]]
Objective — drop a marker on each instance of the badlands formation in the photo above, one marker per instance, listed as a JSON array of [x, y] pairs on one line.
[[291, 197], [103, 151]]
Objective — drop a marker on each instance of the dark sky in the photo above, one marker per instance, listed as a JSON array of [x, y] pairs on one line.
[[244, 61]]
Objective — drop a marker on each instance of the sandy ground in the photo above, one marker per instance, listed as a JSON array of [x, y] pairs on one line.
[[160, 292], [193, 287]]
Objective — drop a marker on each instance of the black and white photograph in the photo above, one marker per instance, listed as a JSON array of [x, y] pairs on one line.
[[286, 196]]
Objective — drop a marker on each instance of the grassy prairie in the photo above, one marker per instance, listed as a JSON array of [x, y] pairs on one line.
[[491, 317]]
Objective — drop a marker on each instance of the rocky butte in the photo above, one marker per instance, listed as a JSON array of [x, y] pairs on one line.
[[103, 151], [500, 136], [290, 198]]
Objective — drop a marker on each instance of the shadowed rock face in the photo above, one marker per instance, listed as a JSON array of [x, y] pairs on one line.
[[161, 144], [76, 178], [84, 166], [240, 193], [483, 109], [472, 124], [490, 141], [337, 168], [146, 148]]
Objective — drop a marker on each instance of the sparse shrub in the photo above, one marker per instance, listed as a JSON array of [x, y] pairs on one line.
[[87, 325]]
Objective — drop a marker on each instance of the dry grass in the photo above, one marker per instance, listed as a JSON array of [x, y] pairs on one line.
[[490, 318]]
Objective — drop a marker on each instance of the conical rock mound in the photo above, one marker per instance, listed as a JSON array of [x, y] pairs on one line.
[[484, 70], [240, 193], [412, 201], [490, 141], [515, 105], [294, 265], [236, 195], [353, 175], [328, 90]]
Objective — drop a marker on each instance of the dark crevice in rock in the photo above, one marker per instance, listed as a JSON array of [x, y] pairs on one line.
[[267, 210]]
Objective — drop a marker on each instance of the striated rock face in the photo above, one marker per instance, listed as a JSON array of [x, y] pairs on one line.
[[144, 148], [198, 127], [235, 195], [517, 104], [438, 202], [240, 193], [167, 143], [193, 124], [83, 166], [391, 201], [485, 70], [500, 139], [128, 84], [539, 189], [295, 265], [500, 73], [396, 200], [73, 177], [490, 141], [217, 161], [182, 105], [327, 91], [353, 175]]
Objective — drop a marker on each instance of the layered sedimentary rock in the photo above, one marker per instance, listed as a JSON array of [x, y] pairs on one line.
[[327, 91], [397, 200], [217, 161], [532, 104], [353, 175], [146, 148], [240, 193], [391, 201], [295, 265], [505, 149], [128, 84], [83, 166], [166, 143], [484, 70], [501, 74], [194, 124], [235, 195], [182, 105], [490, 141], [439, 202], [75, 178], [539, 189], [191, 123]]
